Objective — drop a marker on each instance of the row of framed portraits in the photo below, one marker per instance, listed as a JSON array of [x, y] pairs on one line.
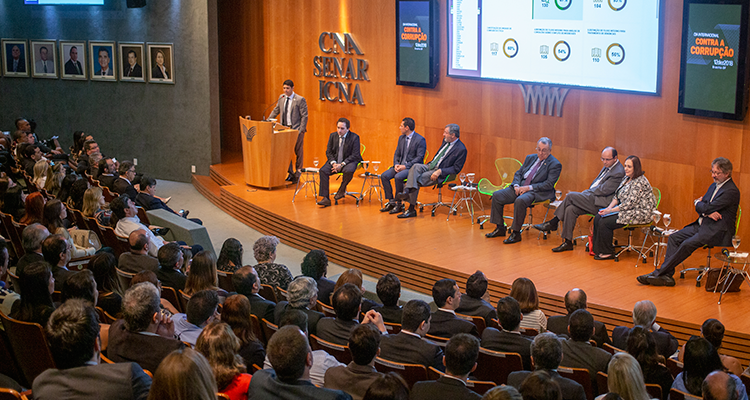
[[95, 60]]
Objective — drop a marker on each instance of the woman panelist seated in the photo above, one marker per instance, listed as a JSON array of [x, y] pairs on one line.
[[633, 203]]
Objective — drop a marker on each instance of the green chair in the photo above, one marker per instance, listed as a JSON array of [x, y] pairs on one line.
[[506, 169]]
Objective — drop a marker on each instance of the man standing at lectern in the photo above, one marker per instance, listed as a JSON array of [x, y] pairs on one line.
[[342, 155], [293, 110]]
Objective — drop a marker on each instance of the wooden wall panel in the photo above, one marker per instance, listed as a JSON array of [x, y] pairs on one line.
[[266, 41]]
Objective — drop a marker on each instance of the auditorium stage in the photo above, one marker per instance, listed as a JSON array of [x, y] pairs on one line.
[[423, 249]]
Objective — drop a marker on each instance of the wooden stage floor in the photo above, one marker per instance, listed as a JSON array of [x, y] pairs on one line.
[[423, 249]]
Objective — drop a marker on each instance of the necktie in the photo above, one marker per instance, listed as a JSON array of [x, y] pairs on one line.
[[78, 67], [15, 65], [436, 161], [340, 157], [45, 66], [406, 151], [528, 179], [102, 72], [286, 109], [598, 178]]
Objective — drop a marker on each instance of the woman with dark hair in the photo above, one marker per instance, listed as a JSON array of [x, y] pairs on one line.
[[12, 196], [524, 291], [104, 267], [79, 137], [37, 285], [160, 71], [315, 265], [634, 202], [54, 214], [34, 209], [642, 346], [230, 256], [236, 313], [77, 190], [66, 187], [219, 344], [183, 375], [202, 275], [354, 276], [268, 271], [701, 359]]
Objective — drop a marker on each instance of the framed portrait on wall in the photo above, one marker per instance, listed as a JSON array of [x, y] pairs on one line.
[[73, 60], [103, 61], [161, 62], [131, 68], [44, 58], [15, 60]]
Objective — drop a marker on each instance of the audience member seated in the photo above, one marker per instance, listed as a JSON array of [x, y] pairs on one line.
[[148, 276], [93, 206], [719, 385], [546, 355], [123, 185], [524, 291], [540, 386], [37, 285], [40, 173], [578, 352], [76, 192], [138, 259], [183, 375], [203, 276], [94, 159], [7, 296], [315, 265], [144, 335], [445, 323], [700, 360], [55, 178], [201, 311], [408, 346], [390, 386], [389, 291], [219, 345], [644, 314], [56, 252], [642, 346], [625, 378], [476, 301], [269, 272], [80, 285], [246, 282], [125, 220], [107, 170], [291, 358], [508, 339], [170, 267], [147, 199], [713, 331], [460, 360], [34, 209], [354, 276], [502, 392], [302, 295], [31, 154], [89, 147], [104, 267], [12, 200], [73, 338], [347, 302], [236, 313], [54, 214], [356, 378], [576, 299], [230, 256], [31, 241]]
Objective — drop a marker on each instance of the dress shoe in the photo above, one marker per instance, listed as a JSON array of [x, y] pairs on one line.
[[565, 246], [339, 195], [514, 237], [663, 280], [388, 207], [325, 202], [643, 279], [499, 231], [598, 258], [403, 196], [398, 209], [408, 214], [547, 227]]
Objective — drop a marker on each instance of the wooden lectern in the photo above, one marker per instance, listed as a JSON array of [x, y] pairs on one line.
[[266, 153]]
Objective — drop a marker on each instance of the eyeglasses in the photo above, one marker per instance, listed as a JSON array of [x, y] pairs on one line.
[[542, 150], [607, 159]]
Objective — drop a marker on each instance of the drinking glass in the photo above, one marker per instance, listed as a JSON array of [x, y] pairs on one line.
[[667, 220], [470, 176], [365, 164], [656, 216], [558, 194], [316, 161], [462, 178], [376, 166], [735, 242]]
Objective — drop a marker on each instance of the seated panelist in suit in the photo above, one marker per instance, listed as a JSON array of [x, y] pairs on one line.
[[508, 339], [445, 323], [449, 160], [534, 181], [715, 226], [291, 109], [410, 150], [597, 196], [343, 155], [407, 346]]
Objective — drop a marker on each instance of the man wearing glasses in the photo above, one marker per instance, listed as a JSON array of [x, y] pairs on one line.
[[597, 196], [534, 181]]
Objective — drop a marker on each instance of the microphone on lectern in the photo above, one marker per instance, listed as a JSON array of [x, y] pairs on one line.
[[264, 111]]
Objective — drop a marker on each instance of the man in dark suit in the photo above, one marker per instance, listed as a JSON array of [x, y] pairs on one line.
[[170, 264], [84, 163], [343, 154], [291, 358], [246, 282], [302, 295], [133, 69], [356, 378], [474, 303], [16, 61], [407, 346], [32, 237], [57, 252], [73, 336], [389, 291], [410, 150], [147, 199], [73, 66], [460, 360], [315, 265], [107, 170], [124, 183], [576, 299], [292, 111], [444, 322], [597, 196], [449, 160], [546, 355], [137, 259], [578, 352], [715, 226], [644, 314], [347, 301], [509, 338], [534, 181]]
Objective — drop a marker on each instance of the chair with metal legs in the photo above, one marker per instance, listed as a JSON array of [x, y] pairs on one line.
[[703, 269], [630, 228], [308, 177], [439, 203], [355, 195], [506, 168]]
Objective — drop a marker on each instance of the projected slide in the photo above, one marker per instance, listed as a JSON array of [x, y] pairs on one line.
[[609, 44]]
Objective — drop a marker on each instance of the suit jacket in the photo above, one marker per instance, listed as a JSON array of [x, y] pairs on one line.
[[156, 73], [27, 259], [265, 385], [146, 350], [408, 349], [476, 307], [354, 379], [312, 316], [666, 344], [125, 381], [261, 308], [135, 263], [605, 190], [70, 68], [61, 275], [299, 112], [414, 154], [453, 162], [351, 148], [149, 202], [134, 71], [21, 64], [558, 324], [584, 355], [325, 290], [543, 182], [445, 324], [40, 67], [98, 71], [107, 180], [121, 186], [508, 342], [335, 330], [391, 314], [571, 390], [726, 201], [443, 388], [170, 277]]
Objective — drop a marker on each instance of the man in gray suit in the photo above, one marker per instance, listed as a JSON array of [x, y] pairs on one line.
[[410, 150], [44, 65], [597, 196], [356, 378], [292, 109]]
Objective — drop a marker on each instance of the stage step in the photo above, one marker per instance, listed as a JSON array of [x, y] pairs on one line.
[[208, 187], [219, 178]]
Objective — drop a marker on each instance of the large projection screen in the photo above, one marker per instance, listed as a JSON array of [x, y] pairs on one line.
[[601, 44]]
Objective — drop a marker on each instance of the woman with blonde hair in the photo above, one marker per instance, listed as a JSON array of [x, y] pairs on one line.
[[40, 173], [524, 291], [183, 375], [55, 176], [203, 275], [624, 377], [220, 346], [268, 271], [93, 203]]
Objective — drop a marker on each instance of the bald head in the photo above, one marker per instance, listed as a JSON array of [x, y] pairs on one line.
[[609, 157], [575, 299], [138, 241], [718, 385]]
